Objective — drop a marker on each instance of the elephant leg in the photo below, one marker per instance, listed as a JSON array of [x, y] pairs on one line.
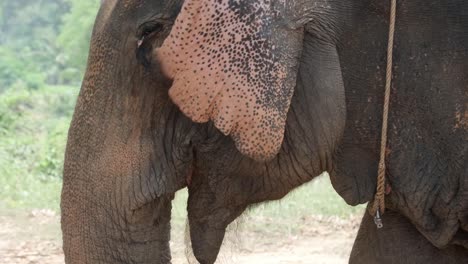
[[399, 242]]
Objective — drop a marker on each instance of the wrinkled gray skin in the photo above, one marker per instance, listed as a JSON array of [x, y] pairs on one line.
[[130, 149]]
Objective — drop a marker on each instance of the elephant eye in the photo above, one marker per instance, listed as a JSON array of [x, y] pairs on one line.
[[147, 33], [148, 30]]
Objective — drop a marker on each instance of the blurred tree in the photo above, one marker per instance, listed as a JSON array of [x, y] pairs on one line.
[[32, 23], [15, 70], [44, 40], [28, 28]]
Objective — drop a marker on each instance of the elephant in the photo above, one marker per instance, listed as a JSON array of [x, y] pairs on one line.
[[241, 101]]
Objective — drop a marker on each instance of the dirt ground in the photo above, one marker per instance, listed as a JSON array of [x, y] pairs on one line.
[[34, 237]]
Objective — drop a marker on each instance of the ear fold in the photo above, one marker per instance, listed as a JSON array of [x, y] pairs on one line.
[[235, 63]]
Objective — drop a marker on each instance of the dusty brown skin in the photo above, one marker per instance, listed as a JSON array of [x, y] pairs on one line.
[[427, 154], [134, 140]]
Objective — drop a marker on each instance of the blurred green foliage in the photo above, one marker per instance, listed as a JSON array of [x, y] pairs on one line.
[[33, 129], [44, 41], [43, 52]]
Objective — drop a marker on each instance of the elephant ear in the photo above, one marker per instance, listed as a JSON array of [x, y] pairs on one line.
[[235, 63]]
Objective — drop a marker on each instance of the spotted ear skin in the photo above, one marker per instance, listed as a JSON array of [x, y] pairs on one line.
[[235, 63]]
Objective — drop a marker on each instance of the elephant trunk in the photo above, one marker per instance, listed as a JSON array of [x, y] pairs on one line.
[[128, 149], [118, 178], [108, 215]]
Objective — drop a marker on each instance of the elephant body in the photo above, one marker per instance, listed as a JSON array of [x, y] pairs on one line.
[[140, 130], [427, 145]]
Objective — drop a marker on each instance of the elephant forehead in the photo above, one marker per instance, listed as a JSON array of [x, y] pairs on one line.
[[105, 12]]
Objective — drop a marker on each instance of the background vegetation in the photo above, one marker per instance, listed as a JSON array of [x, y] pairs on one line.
[[43, 52]]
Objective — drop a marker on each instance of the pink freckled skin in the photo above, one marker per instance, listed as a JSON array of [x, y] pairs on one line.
[[226, 68]]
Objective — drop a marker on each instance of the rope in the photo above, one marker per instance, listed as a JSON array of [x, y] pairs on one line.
[[378, 206]]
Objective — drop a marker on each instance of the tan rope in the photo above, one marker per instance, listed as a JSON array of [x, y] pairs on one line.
[[378, 206]]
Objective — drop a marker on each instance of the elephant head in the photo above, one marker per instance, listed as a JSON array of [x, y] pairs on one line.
[[239, 100]]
